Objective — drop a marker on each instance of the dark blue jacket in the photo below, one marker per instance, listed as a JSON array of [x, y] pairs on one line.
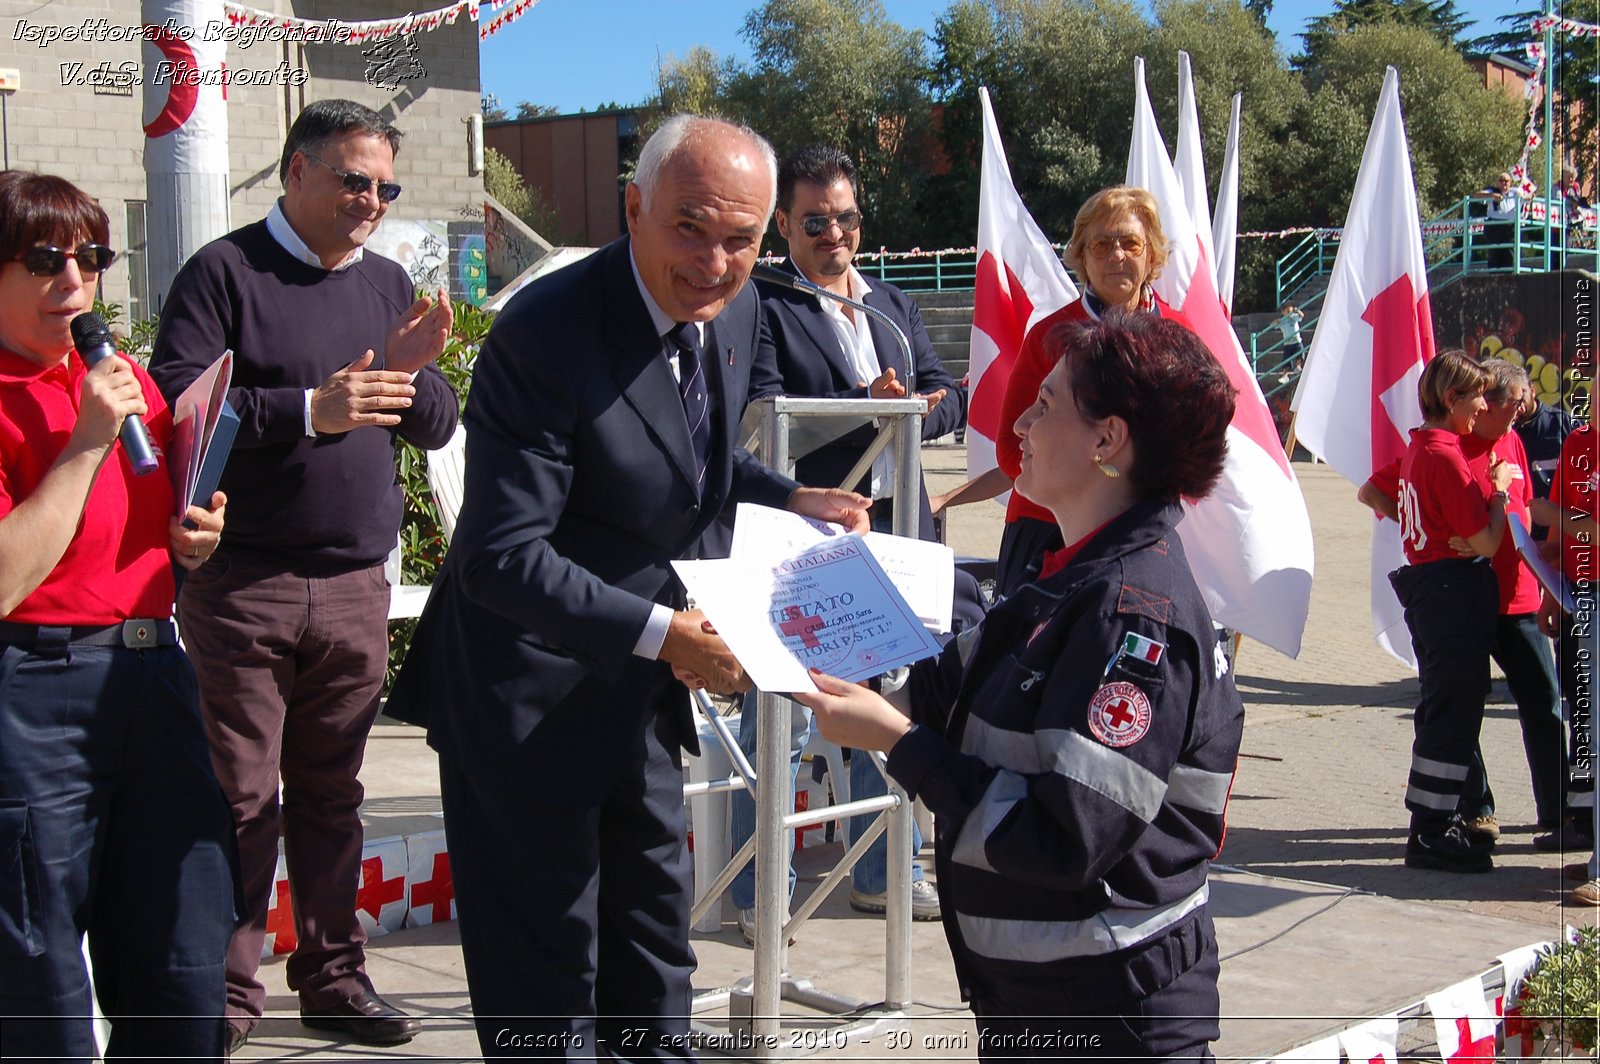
[[1079, 790]]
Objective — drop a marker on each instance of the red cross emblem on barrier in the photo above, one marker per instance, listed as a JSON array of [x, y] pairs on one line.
[[438, 892], [375, 892], [1119, 714]]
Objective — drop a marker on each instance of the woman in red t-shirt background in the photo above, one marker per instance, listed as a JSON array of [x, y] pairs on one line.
[[1450, 605]]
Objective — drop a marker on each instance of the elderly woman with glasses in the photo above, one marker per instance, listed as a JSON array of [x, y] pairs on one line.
[[1077, 747], [111, 821], [1117, 249]]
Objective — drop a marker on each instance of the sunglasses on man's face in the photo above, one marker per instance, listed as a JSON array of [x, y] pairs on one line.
[[49, 261], [817, 224], [357, 183]]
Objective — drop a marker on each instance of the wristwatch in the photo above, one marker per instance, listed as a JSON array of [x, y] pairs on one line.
[[1503, 496]]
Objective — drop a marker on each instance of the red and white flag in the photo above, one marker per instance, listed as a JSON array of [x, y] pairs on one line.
[[1357, 397], [1249, 541], [1189, 163], [1019, 280], [1372, 1042], [1463, 1023], [1225, 226]]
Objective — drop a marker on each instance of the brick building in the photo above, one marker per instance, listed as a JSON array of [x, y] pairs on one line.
[[77, 112]]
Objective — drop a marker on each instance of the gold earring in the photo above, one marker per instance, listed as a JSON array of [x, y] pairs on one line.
[[1111, 471]]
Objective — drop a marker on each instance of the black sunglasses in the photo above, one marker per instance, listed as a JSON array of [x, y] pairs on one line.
[[357, 183], [817, 224], [49, 261]]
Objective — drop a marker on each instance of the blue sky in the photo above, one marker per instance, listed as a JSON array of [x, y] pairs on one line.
[[581, 53]]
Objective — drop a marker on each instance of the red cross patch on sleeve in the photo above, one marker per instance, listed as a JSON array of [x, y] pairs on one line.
[[1119, 714]]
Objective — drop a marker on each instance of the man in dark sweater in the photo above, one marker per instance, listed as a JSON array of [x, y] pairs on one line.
[[287, 622]]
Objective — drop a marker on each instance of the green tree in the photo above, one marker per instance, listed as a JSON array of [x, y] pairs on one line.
[[1575, 62], [502, 181], [695, 84], [840, 72], [1461, 133], [1438, 18], [536, 110], [1231, 53], [1060, 75]]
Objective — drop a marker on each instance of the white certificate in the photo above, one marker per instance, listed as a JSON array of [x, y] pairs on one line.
[[830, 607], [924, 573]]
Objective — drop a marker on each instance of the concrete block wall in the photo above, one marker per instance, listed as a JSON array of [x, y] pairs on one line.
[[62, 122]]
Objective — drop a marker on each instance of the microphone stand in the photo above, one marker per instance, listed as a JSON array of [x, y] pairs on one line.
[[763, 272]]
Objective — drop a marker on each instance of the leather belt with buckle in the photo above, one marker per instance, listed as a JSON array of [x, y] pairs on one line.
[[141, 633]]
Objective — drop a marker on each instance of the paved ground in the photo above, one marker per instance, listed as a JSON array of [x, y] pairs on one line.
[[1319, 922]]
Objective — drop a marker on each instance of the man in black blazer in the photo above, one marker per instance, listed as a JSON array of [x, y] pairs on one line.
[[821, 349], [600, 443]]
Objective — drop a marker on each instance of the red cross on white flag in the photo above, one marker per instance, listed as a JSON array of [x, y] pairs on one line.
[[281, 936], [1372, 1042], [1249, 541], [1463, 1023], [1357, 398]]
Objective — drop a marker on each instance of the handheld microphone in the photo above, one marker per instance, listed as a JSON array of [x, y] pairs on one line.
[[94, 343], [763, 272]]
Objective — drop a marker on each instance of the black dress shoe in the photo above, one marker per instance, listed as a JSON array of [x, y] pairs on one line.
[[365, 1018]]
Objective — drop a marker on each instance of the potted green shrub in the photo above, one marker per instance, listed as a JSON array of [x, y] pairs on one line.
[[1561, 996]]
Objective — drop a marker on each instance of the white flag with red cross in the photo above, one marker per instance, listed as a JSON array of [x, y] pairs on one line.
[[1357, 398], [431, 892], [1249, 541], [1463, 1023], [1019, 280], [1372, 1042], [381, 893]]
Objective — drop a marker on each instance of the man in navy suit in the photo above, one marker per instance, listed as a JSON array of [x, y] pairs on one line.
[[600, 444], [821, 349]]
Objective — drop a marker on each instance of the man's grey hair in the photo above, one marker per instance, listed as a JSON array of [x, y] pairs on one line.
[[675, 133], [1506, 376]]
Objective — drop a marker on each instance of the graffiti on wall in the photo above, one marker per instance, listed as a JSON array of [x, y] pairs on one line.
[[507, 248], [1527, 321], [437, 254]]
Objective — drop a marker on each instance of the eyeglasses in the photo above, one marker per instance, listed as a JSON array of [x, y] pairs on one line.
[[1102, 247], [49, 261], [817, 224], [357, 183]]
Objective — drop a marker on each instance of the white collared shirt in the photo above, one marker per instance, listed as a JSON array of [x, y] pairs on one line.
[[278, 225], [855, 338]]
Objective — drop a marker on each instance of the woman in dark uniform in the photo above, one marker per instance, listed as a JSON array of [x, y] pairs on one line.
[[1078, 746], [111, 822]]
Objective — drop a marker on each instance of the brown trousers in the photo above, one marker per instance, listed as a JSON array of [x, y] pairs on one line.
[[290, 669]]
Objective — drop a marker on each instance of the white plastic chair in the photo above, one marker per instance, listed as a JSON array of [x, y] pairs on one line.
[[447, 477]]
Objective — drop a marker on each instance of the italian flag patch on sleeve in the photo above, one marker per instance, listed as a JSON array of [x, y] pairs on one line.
[[1138, 647]]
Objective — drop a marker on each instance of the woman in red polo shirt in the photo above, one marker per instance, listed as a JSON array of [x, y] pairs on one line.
[[1450, 605], [111, 822]]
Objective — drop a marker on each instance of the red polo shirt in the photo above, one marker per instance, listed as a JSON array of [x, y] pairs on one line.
[[117, 565], [1439, 497], [1576, 481]]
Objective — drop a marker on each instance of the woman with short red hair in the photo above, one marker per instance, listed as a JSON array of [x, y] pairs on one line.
[[1077, 747]]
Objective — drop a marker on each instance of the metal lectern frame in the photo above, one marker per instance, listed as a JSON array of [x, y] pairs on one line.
[[755, 1024]]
